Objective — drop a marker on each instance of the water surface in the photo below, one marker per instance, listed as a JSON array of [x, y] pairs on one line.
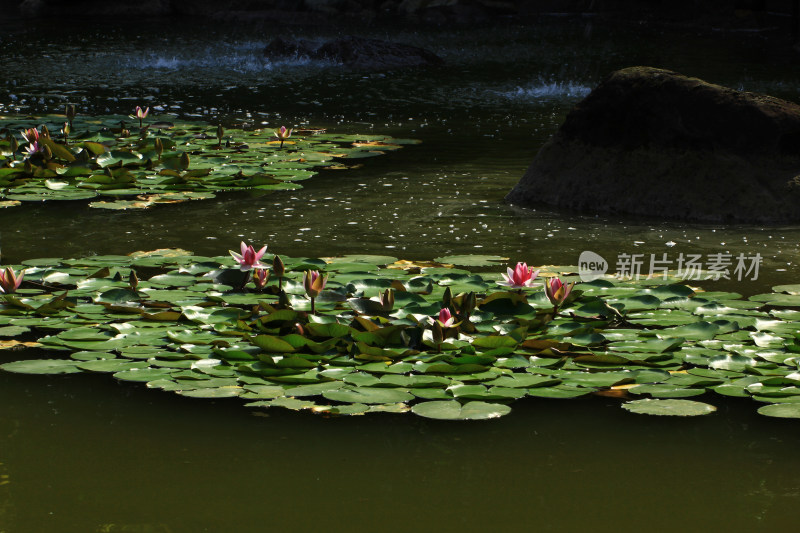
[[83, 453]]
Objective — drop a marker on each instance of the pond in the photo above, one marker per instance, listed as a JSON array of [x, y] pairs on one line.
[[85, 453]]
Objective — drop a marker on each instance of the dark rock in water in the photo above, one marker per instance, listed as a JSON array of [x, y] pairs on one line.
[[656, 143], [355, 52]]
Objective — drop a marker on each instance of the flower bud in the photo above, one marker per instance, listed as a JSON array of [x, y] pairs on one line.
[[278, 267]]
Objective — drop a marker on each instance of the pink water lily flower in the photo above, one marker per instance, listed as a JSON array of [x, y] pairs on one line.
[[30, 135], [283, 134], [314, 282], [141, 114], [521, 276], [249, 258], [10, 281], [260, 277], [33, 148], [556, 291], [446, 319]]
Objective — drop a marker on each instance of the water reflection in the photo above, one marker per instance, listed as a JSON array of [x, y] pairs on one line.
[[129, 456]]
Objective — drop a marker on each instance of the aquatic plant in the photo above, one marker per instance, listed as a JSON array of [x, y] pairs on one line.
[[65, 131], [99, 159], [190, 327], [249, 258], [282, 134], [260, 277], [31, 135], [445, 319], [10, 281], [141, 114], [279, 270], [557, 292], [520, 277], [313, 283], [33, 149], [70, 113]]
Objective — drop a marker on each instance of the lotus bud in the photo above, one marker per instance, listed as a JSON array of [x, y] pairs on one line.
[[14, 144], [277, 266], [70, 112], [45, 131], [260, 277], [282, 134], [387, 300], [447, 298], [438, 333], [468, 303], [184, 161], [159, 147], [125, 133], [314, 282], [133, 280], [141, 114], [220, 133], [48, 154], [557, 291]]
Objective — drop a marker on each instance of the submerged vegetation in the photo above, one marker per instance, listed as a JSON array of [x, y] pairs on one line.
[[125, 162], [359, 334]]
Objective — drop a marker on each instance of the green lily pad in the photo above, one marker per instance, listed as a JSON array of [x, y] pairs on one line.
[[781, 410], [471, 260], [368, 395], [453, 410], [42, 366], [212, 392], [669, 407]]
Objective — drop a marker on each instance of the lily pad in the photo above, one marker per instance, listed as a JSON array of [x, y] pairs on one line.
[[669, 407], [42, 366], [781, 410], [471, 260], [453, 410]]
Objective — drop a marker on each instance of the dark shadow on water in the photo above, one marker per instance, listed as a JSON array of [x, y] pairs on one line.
[[93, 452]]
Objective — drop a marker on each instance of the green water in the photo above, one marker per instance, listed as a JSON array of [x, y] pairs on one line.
[[84, 453]]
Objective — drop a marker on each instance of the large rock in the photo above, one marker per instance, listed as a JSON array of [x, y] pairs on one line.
[[354, 52], [652, 142]]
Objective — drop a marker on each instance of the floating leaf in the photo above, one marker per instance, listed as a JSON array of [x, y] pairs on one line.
[[781, 410], [669, 407], [42, 366], [368, 395], [471, 260], [453, 410]]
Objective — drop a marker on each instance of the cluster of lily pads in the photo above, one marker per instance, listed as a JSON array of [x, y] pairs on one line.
[[358, 334], [124, 162]]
